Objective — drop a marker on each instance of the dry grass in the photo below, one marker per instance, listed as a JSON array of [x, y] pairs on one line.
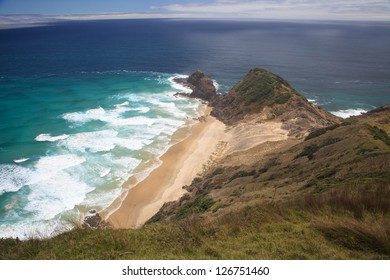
[[370, 234], [356, 200]]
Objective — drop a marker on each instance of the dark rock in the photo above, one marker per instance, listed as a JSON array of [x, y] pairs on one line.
[[202, 87], [94, 221]]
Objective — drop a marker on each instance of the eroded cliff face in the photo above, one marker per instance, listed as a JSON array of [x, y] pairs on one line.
[[260, 96]]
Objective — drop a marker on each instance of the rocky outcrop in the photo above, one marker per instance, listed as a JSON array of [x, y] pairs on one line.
[[93, 221], [202, 87]]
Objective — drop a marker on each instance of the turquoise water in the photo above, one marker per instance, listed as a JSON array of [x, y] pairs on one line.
[[70, 142]]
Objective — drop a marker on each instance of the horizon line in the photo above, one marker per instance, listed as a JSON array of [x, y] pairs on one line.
[[14, 21]]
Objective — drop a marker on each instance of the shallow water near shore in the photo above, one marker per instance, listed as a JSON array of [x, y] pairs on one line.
[[82, 144], [84, 106]]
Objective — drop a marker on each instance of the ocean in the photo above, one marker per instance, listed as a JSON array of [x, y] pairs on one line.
[[87, 106]]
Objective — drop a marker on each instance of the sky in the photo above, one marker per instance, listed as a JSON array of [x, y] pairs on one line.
[[14, 11]]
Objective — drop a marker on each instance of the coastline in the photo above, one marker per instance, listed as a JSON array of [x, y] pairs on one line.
[[180, 165]]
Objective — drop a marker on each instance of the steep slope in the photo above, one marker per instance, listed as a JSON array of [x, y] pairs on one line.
[[354, 152], [266, 96], [338, 180]]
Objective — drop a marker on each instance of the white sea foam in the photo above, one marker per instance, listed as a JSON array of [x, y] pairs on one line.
[[216, 85], [21, 160], [136, 121], [142, 110], [57, 193], [49, 138], [105, 172], [34, 229], [53, 188], [123, 167], [123, 107], [178, 86], [13, 177], [113, 117], [99, 141], [348, 113], [83, 117], [126, 103], [50, 165], [133, 143], [105, 141], [169, 107]]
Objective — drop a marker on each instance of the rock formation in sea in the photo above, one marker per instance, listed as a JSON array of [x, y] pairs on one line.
[[202, 86]]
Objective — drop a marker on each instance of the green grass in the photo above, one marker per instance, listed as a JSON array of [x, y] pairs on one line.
[[308, 151], [217, 171], [380, 134], [196, 180], [311, 149], [200, 205], [261, 87], [256, 232]]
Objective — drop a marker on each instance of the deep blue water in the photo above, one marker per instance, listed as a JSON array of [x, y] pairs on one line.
[[86, 105], [339, 62]]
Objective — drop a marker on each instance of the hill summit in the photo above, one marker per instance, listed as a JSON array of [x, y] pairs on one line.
[[263, 96]]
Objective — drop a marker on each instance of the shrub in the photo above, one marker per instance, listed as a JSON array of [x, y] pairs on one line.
[[315, 133], [196, 180], [330, 141], [308, 151], [217, 171], [327, 173], [323, 130], [243, 173], [200, 205], [380, 134]]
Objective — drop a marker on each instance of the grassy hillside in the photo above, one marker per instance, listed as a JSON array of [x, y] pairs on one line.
[[256, 232], [347, 156]]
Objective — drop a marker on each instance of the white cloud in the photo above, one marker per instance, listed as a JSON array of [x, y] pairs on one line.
[[18, 21], [245, 9], [287, 9]]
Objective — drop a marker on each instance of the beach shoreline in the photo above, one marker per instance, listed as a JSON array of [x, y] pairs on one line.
[[180, 165]]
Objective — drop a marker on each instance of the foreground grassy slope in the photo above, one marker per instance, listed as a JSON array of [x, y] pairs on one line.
[[252, 233], [327, 197]]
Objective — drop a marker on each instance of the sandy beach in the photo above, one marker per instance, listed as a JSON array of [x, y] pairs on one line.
[[180, 165]]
